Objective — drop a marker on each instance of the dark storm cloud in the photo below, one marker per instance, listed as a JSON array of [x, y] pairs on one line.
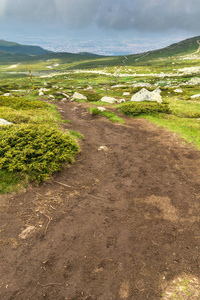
[[151, 15]]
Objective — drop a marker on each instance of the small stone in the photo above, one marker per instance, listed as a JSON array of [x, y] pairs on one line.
[[27, 232], [104, 148], [178, 91], [100, 108]]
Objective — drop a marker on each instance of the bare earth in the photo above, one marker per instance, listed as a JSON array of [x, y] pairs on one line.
[[120, 223]]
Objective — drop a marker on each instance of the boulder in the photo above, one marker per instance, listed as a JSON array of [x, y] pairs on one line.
[[145, 95], [5, 122], [7, 94], [108, 99], [158, 90], [79, 96], [126, 94], [194, 80]]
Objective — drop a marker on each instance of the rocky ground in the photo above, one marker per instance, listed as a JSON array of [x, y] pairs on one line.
[[122, 222]]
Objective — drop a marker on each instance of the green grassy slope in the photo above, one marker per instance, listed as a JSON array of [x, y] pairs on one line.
[[13, 52], [12, 47]]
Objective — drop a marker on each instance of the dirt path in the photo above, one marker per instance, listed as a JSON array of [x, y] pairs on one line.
[[121, 223]]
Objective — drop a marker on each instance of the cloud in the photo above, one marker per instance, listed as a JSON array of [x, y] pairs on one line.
[[147, 15]]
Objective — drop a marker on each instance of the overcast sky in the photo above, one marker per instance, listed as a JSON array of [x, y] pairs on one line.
[[99, 25]]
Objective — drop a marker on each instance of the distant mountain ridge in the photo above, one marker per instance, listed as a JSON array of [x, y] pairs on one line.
[[13, 52], [11, 47]]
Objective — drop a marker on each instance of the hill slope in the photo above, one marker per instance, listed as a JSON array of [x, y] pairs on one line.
[[12, 47]]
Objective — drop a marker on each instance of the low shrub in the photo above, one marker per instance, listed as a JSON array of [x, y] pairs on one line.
[[19, 103], [91, 96], [148, 108], [15, 117], [35, 150]]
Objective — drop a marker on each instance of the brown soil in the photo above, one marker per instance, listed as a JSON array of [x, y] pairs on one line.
[[120, 223]]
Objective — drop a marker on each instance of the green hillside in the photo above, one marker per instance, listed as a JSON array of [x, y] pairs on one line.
[[15, 53], [12, 47]]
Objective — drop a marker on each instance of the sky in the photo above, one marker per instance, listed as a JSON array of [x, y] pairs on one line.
[[109, 27]]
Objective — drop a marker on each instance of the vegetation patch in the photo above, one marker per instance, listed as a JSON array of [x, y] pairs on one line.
[[148, 108], [108, 114], [36, 151], [22, 103], [91, 96], [76, 134]]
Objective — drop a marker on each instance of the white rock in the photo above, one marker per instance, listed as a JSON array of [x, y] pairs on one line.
[[5, 122], [67, 96], [195, 96], [178, 91], [126, 94], [100, 108], [142, 84], [45, 83], [190, 70], [41, 94], [27, 232], [44, 90], [194, 80], [7, 94], [118, 86], [145, 95], [79, 96], [158, 91], [51, 96], [108, 99]]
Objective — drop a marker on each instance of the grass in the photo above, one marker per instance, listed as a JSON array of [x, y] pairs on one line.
[[184, 119], [108, 114], [186, 128]]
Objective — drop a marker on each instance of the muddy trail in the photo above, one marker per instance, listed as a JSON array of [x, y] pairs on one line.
[[122, 222]]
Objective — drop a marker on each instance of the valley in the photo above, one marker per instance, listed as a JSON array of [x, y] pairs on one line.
[[118, 217]]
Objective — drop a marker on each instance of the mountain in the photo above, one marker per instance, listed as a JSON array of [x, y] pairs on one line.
[[188, 46], [11, 47], [11, 52]]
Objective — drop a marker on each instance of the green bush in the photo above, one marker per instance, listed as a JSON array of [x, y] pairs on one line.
[[15, 117], [19, 103], [91, 96], [35, 150], [148, 108]]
